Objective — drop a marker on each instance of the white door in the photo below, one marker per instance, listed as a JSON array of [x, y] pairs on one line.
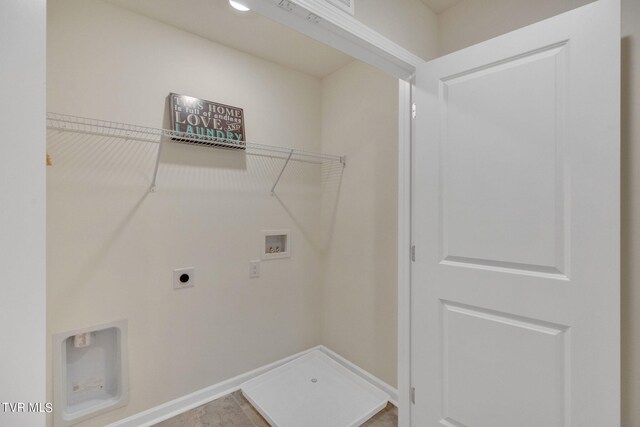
[[515, 219]]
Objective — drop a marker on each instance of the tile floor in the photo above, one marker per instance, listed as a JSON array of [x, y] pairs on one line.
[[233, 410]]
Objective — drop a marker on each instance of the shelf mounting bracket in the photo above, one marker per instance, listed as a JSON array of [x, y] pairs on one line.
[[273, 188], [155, 170]]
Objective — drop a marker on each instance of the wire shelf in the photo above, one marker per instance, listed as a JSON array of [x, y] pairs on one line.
[[129, 132]]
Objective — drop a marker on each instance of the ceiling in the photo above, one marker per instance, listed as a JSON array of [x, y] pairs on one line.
[[244, 31], [439, 5]]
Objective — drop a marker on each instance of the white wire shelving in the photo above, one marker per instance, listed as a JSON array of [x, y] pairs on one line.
[[129, 132]]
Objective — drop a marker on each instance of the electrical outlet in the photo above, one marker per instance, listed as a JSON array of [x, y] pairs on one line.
[[184, 278], [254, 269]]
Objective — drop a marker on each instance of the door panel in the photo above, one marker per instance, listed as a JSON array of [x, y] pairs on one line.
[[515, 218], [506, 210], [490, 337]]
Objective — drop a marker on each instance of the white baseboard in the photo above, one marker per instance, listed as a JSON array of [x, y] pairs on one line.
[[182, 404]]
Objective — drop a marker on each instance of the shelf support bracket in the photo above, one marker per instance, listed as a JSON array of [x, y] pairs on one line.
[[155, 170], [273, 189]]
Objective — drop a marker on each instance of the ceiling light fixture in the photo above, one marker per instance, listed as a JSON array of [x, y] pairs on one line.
[[238, 6]]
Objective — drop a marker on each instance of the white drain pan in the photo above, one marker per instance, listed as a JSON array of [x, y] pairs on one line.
[[314, 391]]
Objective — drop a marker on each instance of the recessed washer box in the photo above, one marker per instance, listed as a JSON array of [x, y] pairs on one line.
[[277, 244], [90, 372]]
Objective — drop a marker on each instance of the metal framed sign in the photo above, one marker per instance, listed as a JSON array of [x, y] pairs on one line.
[[207, 122]]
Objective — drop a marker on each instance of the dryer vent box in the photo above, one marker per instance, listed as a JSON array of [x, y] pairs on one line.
[[90, 372]]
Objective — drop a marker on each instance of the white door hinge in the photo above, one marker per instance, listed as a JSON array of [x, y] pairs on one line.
[[413, 110], [413, 253], [413, 395]]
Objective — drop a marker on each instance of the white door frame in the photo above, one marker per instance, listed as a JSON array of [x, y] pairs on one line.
[[343, 32], [23, 199]]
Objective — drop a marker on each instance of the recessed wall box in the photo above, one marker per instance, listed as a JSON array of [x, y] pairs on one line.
[[90, 375], [277, 244]]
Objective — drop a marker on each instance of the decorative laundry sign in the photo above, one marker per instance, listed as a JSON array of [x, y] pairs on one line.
[[207, 122]]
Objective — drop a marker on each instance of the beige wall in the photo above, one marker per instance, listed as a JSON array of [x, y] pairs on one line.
[[408, 23], [473, 21], [112, 246], [360, 119], [630, 212]]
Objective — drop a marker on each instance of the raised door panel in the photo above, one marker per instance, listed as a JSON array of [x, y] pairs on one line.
[[502, 185]]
